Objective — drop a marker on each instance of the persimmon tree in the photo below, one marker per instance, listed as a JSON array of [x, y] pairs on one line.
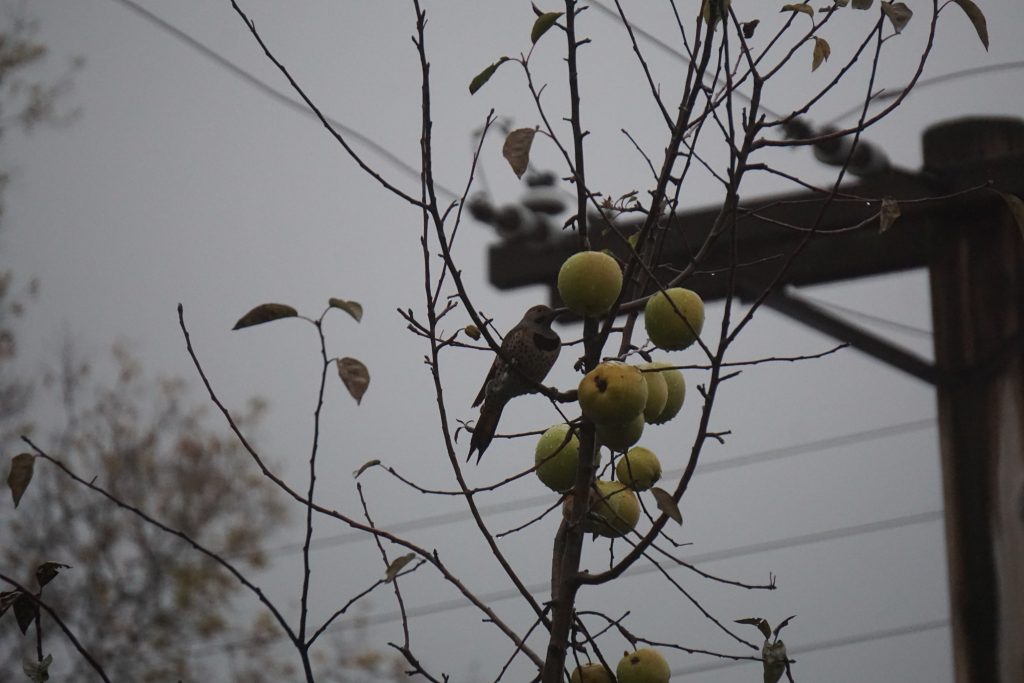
[[713, 120]]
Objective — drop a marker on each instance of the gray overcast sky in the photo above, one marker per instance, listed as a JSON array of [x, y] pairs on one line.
[[183, 183]]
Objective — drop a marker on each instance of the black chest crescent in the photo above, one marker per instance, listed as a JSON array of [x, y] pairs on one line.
[[545, 343]]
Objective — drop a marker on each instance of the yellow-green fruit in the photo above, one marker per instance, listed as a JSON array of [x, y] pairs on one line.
[[638, 469], [657, 393], [613, 392], [619, 436], [591, 673], [589, 282], [614, 509], [667, 328], [557, 458], [646, 665], [676, 386]]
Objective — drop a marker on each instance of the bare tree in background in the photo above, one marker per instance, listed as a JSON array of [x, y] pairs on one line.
[[138, 602], [132, 589], [715, 122], [26, 102]]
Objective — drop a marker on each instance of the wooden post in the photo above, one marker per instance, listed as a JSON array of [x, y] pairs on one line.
[[977, 281]]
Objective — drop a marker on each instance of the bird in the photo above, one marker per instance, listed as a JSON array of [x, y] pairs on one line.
[[531, 349]]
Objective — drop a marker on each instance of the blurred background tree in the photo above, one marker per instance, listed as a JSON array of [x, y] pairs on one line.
[[134, 598], [133, 588]]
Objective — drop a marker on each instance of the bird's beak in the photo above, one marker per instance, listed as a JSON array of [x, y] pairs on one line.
[[557, 313]]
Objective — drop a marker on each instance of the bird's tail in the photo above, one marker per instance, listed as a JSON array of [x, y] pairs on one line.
[[484, 429]]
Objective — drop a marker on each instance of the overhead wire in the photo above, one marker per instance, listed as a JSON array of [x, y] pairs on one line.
[[759, 457], [671, 50], [268, 90], [540, 587], [903, 327], [829, 644], [893, 93], [881, 96]]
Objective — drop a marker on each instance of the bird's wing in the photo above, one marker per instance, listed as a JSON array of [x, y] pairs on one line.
[[490, 375]]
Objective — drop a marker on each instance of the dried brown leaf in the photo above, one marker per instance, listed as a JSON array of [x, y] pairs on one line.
[[355, 376], [805, 9], [47, 571], [977, 18], [888, 214], [899, 14], [763, 626], [365, 466], [822, 51], [1016, 206], [544, 22], [7, 598], [397, 565], [353, 308], [264, 313], [481, 78], [24, 611], [20, 475], [667, 504], [517, 149]]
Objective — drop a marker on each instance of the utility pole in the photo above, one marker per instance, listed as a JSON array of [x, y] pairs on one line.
[[974, 251], [976, 269]]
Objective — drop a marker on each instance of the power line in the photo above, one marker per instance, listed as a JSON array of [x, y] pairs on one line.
[[675, 52], [540, 588], [273, 93], [893, 93], [921, 332], [857, 639], [758, 457]]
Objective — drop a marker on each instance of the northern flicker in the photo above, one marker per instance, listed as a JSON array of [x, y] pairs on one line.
[[531, 347]]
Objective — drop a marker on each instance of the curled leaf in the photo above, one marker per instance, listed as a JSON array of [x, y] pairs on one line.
[[24, 611], [353, 308], [365, 466], [47, 571], [899, 14], [667, 504], [977, 18], [264, 313], [544, 22], [1016, 207], [7, 598], [862, 4], [712, 11], [822, 51], [481, 78], [762, 625], [806, 9], [355, 377], [472, 332], [782, 625], [20, 475], [517, 149], [38, 672], [888, 214], [749, 27], [397, 565]]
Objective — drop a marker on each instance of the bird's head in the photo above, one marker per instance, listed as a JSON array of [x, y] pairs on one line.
[[543, 315]]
